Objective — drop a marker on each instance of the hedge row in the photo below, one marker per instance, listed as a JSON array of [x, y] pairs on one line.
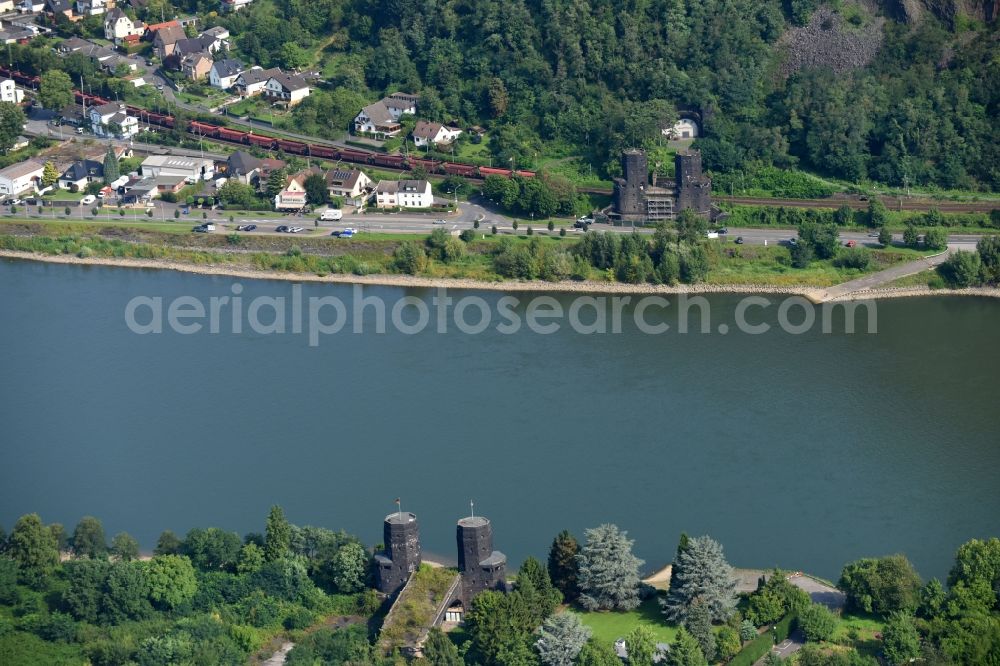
[[761, 645]]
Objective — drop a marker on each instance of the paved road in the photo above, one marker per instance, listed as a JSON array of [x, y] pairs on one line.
[[888, 275]]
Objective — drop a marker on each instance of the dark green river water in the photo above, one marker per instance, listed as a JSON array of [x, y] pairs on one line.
[[796, 450]]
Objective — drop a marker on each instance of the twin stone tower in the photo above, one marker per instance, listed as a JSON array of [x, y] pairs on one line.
[[481, 568]]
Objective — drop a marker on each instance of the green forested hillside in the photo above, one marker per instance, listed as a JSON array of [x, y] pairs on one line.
[[562, 76]]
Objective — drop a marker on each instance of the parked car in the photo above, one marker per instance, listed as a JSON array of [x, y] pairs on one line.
[[873, 234], [792, 242], [850, 243], [440, 222], [582, 223], [711, 234], [281, 228], [331, 214], [295, 230], [739, 240], [14, 202], [723, 231], [346, 233], [87, 200], [246, 227], [203, 228]]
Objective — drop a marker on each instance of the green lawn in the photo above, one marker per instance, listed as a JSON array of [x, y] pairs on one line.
[[607, 627], [859, 629]]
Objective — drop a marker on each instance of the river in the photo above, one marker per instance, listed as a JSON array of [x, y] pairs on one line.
[[803, 451]]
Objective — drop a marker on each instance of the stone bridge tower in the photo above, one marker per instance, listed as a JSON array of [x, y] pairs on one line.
[[400, 556], [481, 567]]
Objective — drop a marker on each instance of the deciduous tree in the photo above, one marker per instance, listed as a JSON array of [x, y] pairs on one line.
[[88, 538]]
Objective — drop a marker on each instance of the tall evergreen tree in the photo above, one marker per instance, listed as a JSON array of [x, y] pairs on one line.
[[563, 568], [701, 572], [682, 543], [541, 596], [49, 174], [609, 572], [684, 651], [562, 637], [641, 646], [278, 535], [699, 625], [111, 170]]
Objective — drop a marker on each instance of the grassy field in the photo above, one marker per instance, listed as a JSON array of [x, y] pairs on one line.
[[860, 630], [609, 627]]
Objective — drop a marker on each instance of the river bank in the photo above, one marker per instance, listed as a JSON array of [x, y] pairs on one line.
[[409, 281]]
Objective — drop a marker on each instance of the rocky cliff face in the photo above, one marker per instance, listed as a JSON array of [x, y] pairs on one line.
[[946, 10]]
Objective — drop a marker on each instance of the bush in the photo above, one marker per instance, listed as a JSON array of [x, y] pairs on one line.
[[67, 211], [936, 238], [493, 230], [551, 225], [562, 232], [467, 235], [854, 257], [817, 622], [85, 252], [962, 269], [530, 231], [177, 213], [410, 258], [885, 237], [300, 618]]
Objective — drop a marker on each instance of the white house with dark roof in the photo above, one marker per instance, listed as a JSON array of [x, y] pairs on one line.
[[403, 194], [225, 72], [80, 173], [20, 177], [288, 88], [243, 166], [252, 81], [118, 27], [382, 117], [112, 119], [352, 185], [426, 133]]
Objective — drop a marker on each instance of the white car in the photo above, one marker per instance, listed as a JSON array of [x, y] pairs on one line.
[[87, 200], [440, 222], [14, 202], [295, 230]]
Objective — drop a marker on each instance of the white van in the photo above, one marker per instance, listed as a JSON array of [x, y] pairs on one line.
[[331, 214]]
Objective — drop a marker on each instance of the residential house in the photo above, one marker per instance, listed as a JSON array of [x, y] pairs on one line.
[[137, 191], [73, 115], [54, 8], [9, 92], [243, 166], [382, 117], [165, 40], [293, 197], [31, 6], [17, 34], [21, 177], [267, 166], [6, 6], [403, 194], [234, 5], [201, 44], [74, 44], [92, 7], [685, 128], [353, 185], [112, 119], [191, 168], [253, 81], [196, 66], [218, 32], [80, 173], [224, 73], [119, 28], [287, 88], [428, 134]]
